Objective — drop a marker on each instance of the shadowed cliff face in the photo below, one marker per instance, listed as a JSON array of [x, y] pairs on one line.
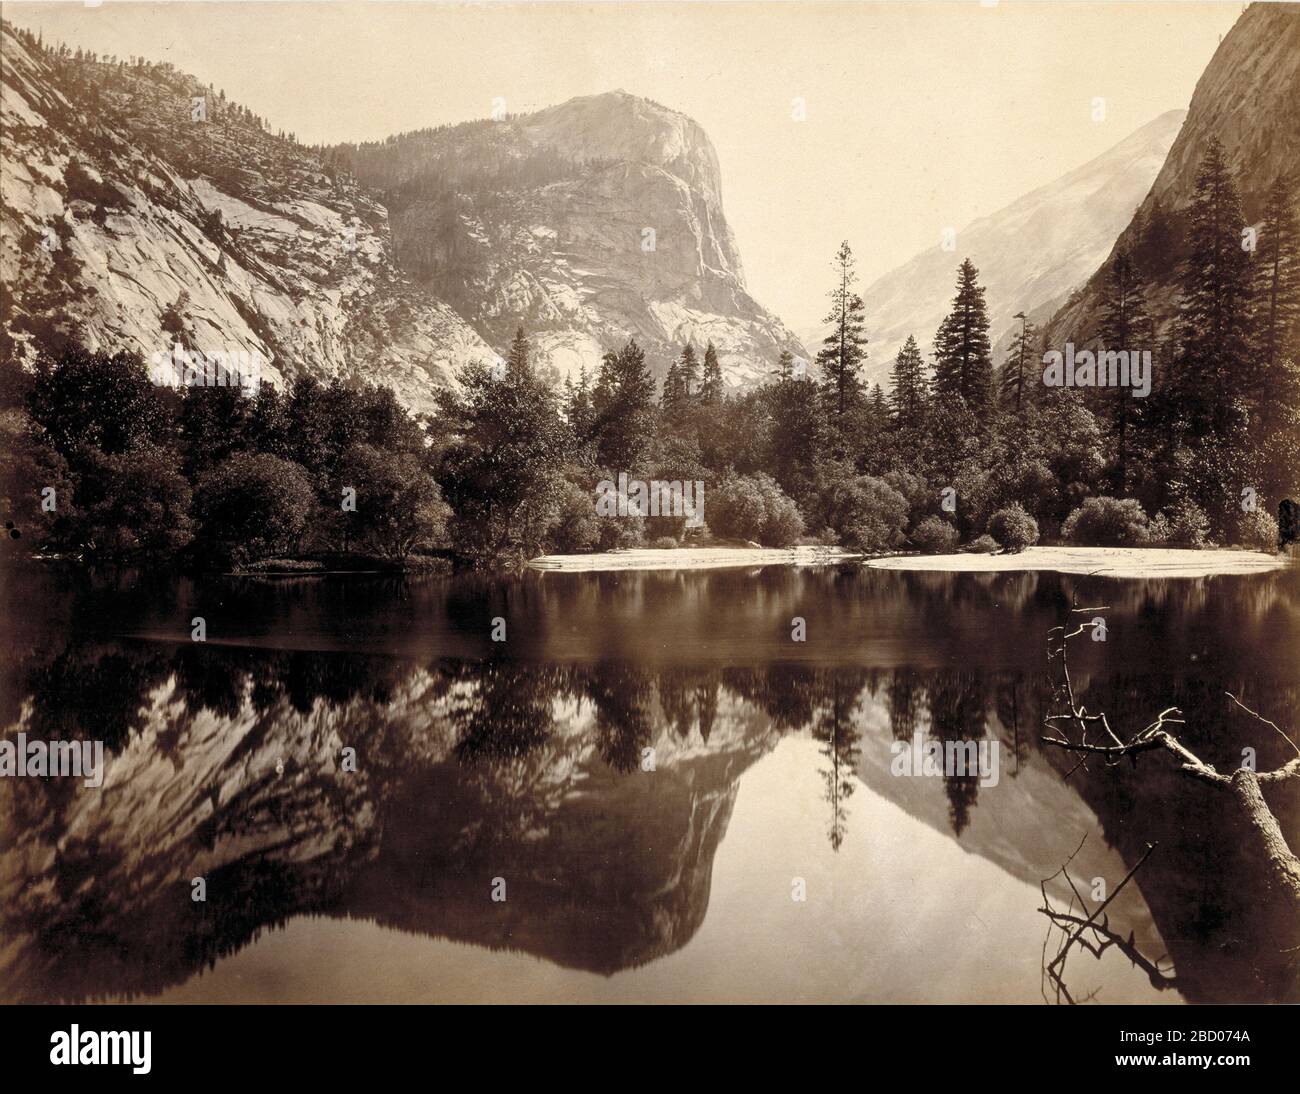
[[229, 762], [1249, 98]]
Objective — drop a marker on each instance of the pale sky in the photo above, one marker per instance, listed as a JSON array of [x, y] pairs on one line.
[[919, 116]]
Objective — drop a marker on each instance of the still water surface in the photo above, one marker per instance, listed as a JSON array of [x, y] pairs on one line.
[[525, 761]]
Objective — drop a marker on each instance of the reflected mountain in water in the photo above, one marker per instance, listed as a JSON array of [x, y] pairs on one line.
[[227, 762]]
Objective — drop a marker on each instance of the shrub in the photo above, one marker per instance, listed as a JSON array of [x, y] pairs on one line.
[[982, 545], [935, 536], [576, 527], [753, 507], [252, 506], [1257, 530], [1183, 524], [1158, 531], [131, 504], [664, 543], [1106, 522], [1013, 528], [866, 513], [399, 507]]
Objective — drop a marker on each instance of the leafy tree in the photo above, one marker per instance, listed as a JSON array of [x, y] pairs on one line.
[[576, 527], [399, 507], [214, 422], [1106, 522], [797, 434], [94, 400], [500, 471], [322, 425], [866, 512], [935, 536], [1013, 528], [252, 506], [753, 508], [131, 505], [735, 434]]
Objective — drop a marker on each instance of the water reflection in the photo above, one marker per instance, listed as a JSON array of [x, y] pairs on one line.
[[599, 786]]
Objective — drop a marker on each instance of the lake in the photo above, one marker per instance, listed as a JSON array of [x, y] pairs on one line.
[[647, 791]]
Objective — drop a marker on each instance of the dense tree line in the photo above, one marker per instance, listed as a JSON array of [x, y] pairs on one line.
[[960, 451], [107, 465]]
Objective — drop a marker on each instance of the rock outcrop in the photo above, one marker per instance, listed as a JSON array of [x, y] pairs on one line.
[[587, 223]]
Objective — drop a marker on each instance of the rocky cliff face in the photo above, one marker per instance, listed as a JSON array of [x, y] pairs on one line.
[[1030, 255], [127, 219], [1248, 97], [587, 223]]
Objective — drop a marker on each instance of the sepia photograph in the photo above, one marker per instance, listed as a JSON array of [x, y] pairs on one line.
[[650, 503]]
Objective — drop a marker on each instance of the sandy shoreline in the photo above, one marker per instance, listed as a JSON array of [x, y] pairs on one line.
[[692, 558], [1103, 561]]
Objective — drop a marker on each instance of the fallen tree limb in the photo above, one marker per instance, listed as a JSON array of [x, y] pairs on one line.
[[1266, 842]]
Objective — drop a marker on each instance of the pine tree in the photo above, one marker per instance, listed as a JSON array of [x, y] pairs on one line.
[[879, 404], [518, 364], [689, 368], [1214, 309], [911, 387], [1124, 324], [1216, 374], [1277, 281], [674, 401], [963, 362], [711, 383], [622, 401], [578, 408], [844, 350], [1016, 380], [1277, 295]]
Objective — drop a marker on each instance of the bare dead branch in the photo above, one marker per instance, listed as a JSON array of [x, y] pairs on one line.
[[1266, 721]]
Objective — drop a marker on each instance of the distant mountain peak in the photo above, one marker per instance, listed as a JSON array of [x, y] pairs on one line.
[[1031, 254]]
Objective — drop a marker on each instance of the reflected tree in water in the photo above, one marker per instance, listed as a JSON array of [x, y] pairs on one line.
[[958, 712], [833, 727]]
